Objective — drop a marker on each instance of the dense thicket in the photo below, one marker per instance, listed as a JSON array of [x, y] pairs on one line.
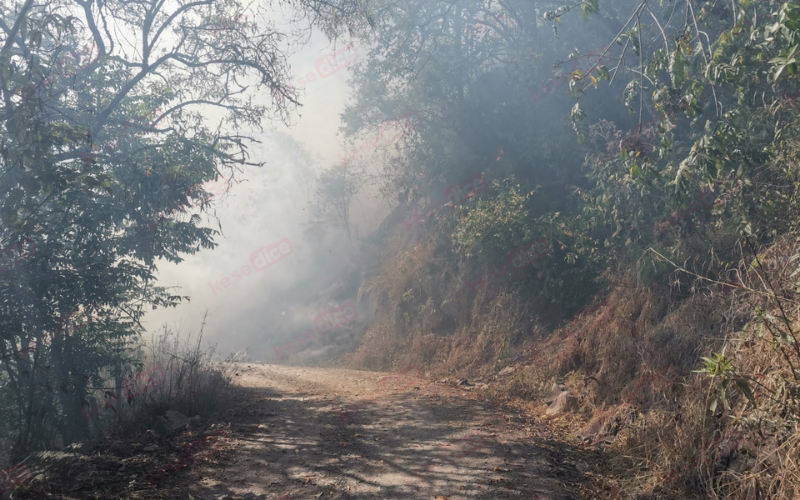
[[105, 162], [653, 145], [619, 121]]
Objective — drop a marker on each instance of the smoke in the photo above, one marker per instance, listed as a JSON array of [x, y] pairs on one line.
[[252, 308]]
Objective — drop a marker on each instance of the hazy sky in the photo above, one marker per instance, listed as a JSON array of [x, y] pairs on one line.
[[269, 206]]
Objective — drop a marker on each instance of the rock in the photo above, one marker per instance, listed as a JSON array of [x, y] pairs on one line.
[[606, 425], [464, 382], [170, 422], [554, 393], [593, 431], [177, 419], [562, 404], [507, 370]]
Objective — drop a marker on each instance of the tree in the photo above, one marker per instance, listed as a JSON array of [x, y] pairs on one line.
[[102, 134], [336, 187]]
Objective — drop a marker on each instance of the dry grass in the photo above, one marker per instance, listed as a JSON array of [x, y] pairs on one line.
[[669, 445], [423, 320], [183, 376], [745, 452]]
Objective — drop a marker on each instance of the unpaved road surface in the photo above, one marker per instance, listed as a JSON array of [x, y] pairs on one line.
[[308, 433]]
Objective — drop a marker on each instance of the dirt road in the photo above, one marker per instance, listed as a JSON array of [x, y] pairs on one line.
[[307, 433]]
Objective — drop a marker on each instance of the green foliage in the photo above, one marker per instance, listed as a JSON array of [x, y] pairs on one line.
[[690, 147], [103, 154], [724, 378], [492, 227], [490, 230], [701, 90], [785, 35], [336, 188]]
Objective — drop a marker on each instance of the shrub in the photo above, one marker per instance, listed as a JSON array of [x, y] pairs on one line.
[[177, 374]]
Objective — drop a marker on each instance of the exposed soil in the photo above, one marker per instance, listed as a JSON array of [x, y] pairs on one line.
[[300, 433], [307, 433]]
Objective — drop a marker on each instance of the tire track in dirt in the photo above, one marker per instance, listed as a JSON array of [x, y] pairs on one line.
[[306, 433]]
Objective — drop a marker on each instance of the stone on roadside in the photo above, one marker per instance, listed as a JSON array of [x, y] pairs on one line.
[[170, 422], [562, 404], [507, 370], [554, 393]]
